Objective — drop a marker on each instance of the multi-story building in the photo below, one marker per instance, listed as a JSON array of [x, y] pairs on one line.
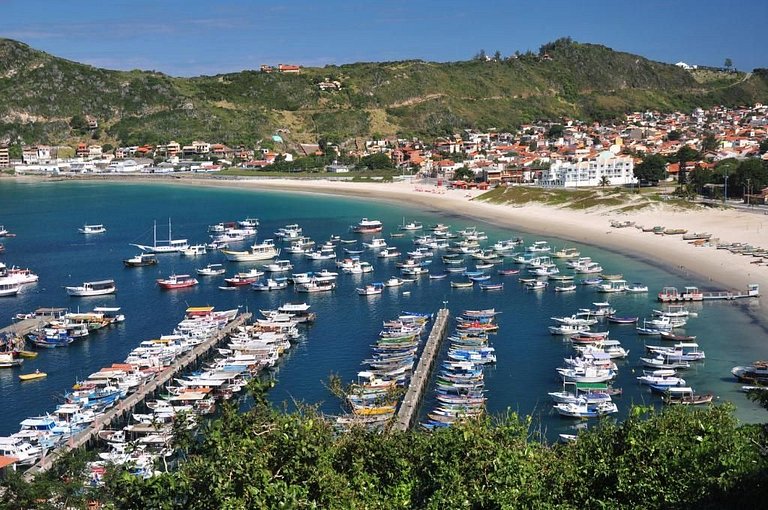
[[619, 170], [5, 157]]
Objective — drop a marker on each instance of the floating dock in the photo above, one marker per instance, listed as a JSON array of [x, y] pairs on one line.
[[409, 407], [126, 406]]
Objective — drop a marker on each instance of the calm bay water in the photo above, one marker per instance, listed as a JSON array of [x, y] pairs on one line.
[[46, 216]]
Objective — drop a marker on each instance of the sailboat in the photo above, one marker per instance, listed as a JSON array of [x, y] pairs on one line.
[[169, 245]]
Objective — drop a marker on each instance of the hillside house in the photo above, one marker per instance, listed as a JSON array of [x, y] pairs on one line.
[[289, 68]]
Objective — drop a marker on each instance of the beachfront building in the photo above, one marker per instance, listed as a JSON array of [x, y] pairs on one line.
[[5, 157], [619, 170]]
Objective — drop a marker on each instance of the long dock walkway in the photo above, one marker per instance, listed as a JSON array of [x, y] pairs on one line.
[[126, 406], [409, 407]]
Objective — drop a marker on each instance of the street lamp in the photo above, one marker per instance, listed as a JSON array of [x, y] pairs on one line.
[[725, 195]]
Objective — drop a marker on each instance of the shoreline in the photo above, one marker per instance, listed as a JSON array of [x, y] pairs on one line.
[[713, 269]]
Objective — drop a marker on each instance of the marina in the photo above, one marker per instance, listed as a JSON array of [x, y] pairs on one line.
[[525, 313]]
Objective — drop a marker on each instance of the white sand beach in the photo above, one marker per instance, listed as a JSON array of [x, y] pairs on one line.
[[714, 269]]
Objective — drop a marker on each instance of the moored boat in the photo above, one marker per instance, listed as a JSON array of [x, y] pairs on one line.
[[92, 229], [177, 281], [366, 226], [141, 260], [262, 251], [97, 288]]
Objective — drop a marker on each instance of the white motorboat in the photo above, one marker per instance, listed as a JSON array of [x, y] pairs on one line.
[[195, 249], [140, 260], [9, 286], [263, 251], [278, 266], [270, 284], [92, 229], [376, 242], [211, 270], [97, 288]]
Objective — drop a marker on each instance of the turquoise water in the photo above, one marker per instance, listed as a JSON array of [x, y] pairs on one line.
[[46, 217]]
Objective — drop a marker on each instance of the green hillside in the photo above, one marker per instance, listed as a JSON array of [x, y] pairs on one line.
[[44, 99]]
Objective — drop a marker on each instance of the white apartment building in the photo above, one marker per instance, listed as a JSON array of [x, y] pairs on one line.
[[618, 169]]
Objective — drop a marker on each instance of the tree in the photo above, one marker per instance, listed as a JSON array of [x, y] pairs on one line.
[[750, 174], [709, 143], [673, 135], [555, 131], [497, 56], [653, 168], [375, 162], [464, 174], [683, 156], [481, 55], [728, 63], [604, 181], [764, 146]]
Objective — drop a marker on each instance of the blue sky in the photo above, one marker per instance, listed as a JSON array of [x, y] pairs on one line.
[[195, 37]]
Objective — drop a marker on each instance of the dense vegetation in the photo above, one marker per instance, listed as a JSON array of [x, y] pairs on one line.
[[44, 99], [679, 459]]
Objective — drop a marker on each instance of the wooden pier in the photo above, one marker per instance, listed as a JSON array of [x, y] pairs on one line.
[[125, 407], [25, 326], [409, 407]]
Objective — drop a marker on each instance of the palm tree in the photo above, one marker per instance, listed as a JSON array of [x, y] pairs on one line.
[[604, 181]]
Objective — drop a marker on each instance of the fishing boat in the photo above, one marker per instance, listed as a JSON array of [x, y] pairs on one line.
[[244, 278], [316, 286], [32, 376], [611, 286], [566, 253], [637, 288], [292, 231], [536, 285], [585, 410], [757, 372], [538, 247], [622, 320], [394, 282], [177, 281], [491, 286], [262, 251], [684, 395], [371, 289], [141, 260], [565, 288], [412, 225], [376, 242], [194, 250], [97, 288], [160, 246], [669, 335], [9, 360], [507, 244], [462, 285], [438, 276], [278, 266], [270, 284], [211, 270], [508, 272], [366, 226], [92, 229]]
